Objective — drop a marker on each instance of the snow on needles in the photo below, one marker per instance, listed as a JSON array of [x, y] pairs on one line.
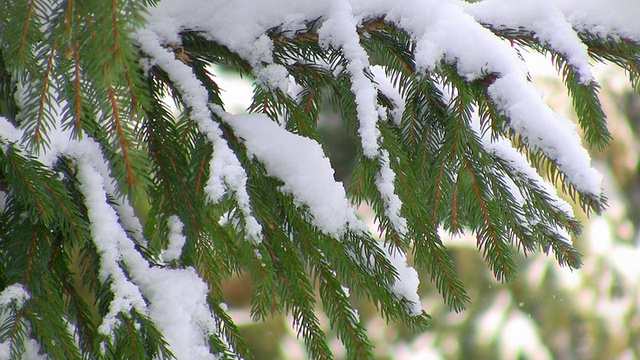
[[307, 174], [175, 299], [8, 133], [108, 235], [406, 285], [442, 30], [301, 164], [339, 31], [384, 85], [502, 148], [392, 203], [14, 293], [217, 19], [225, 168], [546, 23], [450, 31], [451, 34], [176, 240], [607, 19]]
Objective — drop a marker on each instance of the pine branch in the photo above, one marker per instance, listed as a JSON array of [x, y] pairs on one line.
[[584, 97], [430, 253]]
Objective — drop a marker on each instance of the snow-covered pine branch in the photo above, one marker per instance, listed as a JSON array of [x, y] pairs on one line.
[[156, 206]]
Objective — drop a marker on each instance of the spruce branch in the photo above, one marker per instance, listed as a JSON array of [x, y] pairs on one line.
[[445, 144]]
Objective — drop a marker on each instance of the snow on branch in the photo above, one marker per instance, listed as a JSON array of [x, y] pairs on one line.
[[108, 235], [301, 164], [176, 240], [225, 169], [546, 23], [339, 31], [14, 293], [449, 34], [405, 287], [613, 19], [249, 40], [303, 55], [385, 182], [544, 129], [8, 133], [307, 174], [175, 299], [386, 88], [502, 148], [442, 31]]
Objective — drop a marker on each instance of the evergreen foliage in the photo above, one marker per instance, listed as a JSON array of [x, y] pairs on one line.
[[80, 69]]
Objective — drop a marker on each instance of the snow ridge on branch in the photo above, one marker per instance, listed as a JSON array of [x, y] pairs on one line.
[[442, 31]]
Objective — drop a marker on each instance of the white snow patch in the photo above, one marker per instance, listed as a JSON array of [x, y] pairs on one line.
[[392, 203], [607, 19], [543, 129], [225, 170], [14, 293], [384, 85], [545, 21], [9, 133], [174, 299], [442, 31], [177, 298], [406, 285], [339, 31], [107, 235], [176, 240], [303, 167], [31, 350]]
